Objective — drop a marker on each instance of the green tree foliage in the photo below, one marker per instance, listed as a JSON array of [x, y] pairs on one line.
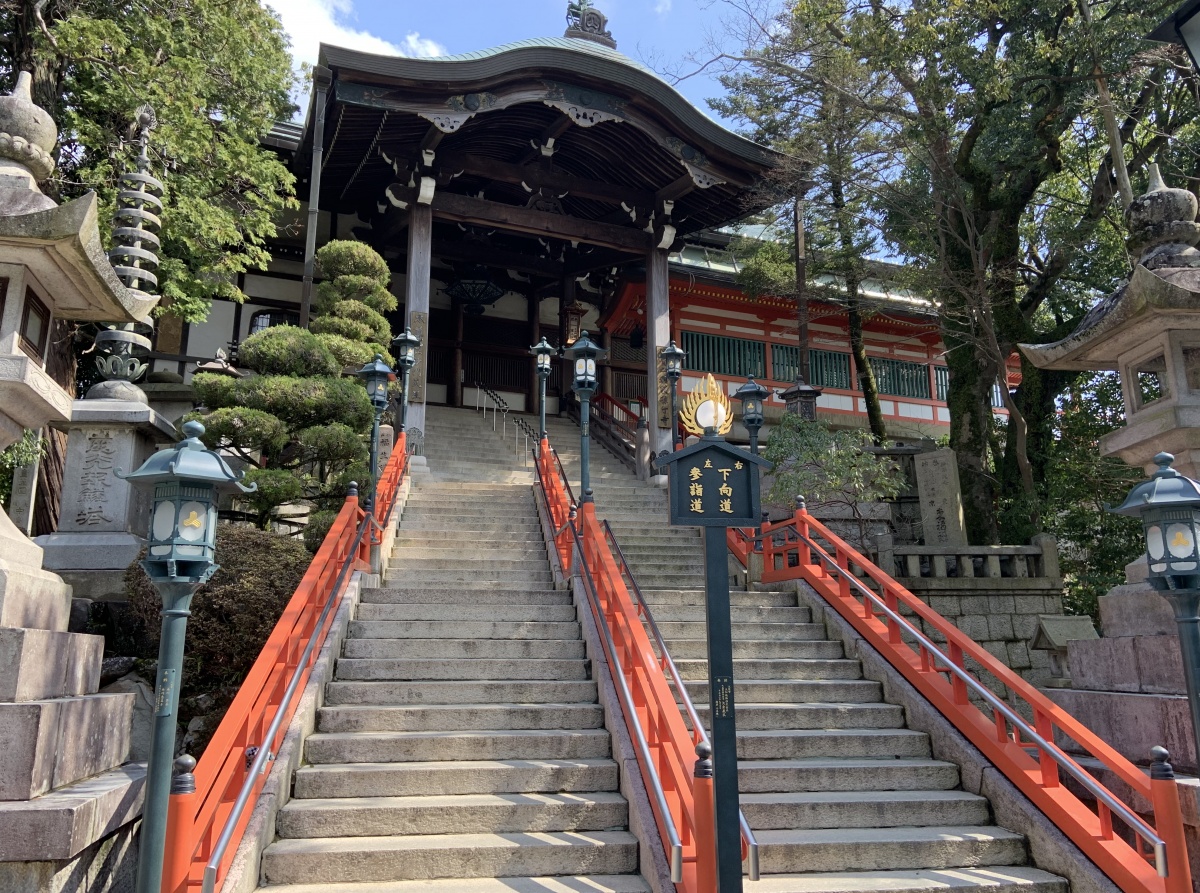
[[1002, 195], [829, 468], [298, 420], [1094, 545], [351, 303], [218, 74]]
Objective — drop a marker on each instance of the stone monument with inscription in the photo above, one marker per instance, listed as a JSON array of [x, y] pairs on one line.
[[940, 495], [67, 802]]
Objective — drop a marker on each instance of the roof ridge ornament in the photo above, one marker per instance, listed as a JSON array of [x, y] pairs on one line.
[[585, 22]]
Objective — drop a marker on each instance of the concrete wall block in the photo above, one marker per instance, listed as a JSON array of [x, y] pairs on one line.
[[1001, 604], [1039, 659], [1159, 665], [946, 605], [974, 625], [32, 598], [107, 866], [1133, 723], [1103, 664], [1018, 656], [37, 664], [975, 604], [1029, 604], [1136, 610], [1024, 626], [1000, 626]]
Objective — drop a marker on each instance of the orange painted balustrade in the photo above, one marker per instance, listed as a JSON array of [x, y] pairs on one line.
[[204, 828], [1018, 734], [682, 803]]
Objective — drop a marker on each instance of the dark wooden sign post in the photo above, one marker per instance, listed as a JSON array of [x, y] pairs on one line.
[[715, 485]]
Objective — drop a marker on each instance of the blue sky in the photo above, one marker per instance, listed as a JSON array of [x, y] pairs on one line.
[[659, 33]]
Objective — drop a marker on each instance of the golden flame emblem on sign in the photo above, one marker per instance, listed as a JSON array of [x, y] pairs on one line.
[[706, 407], [193, 520]]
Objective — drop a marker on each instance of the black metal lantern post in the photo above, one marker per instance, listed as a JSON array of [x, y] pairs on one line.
[[583, 354], [673, 357], [405, 347], [1169, 506], [752, 395], [375, 376], [543, 350], [187, 481]]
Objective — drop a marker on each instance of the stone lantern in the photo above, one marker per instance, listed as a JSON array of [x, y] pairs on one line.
[[1129, 685], [61, 735]]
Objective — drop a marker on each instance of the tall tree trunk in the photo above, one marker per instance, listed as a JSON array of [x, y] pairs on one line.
[[862, 366]]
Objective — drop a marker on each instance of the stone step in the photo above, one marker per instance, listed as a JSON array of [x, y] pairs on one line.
[[402, 694], [534, 579], [417, 596], [873, 849], [460, 717], [444, 629], [990, 879], [814, 716], [667, 597], [419, 779], [620, 883], [834, 774], [773, 632], [533, 550], [460, 613], [493, 563], [825, 808], [848, 744], [793, 691], [356, 859], [453, 814], [684, 650], [462, 649], [831, 670], [497, 744], [459, 670], [739, 614]]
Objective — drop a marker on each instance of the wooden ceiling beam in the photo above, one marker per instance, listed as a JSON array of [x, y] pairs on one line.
[[675, 191], [552, 132], [481, 212], [536, 178]]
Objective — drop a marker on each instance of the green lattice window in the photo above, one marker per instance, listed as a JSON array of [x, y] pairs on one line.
[[897, 378], [722, 355], [828, 368], [941, 381]]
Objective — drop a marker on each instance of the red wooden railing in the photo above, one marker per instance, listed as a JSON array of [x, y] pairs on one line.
[[651, 713], [1019, 735], [204, 828]]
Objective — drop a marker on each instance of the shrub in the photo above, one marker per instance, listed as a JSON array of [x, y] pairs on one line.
[[214, 390], [354, 354], [287, 350], [347, 328], [232, 614], [318, 526], [242, 430]]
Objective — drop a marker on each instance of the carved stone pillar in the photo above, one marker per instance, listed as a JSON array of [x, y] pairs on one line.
[[658, 333], [416, 302]]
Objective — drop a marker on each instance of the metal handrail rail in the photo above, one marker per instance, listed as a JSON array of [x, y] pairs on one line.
[[498, 403], [1135, 822], [263, 755], [628, 706], [562, 473], [697, 727]]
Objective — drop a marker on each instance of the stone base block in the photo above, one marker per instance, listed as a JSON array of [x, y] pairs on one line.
[[36, 664], [107, 866], [33, 598], [97, 586], [1133, 723], [1134, 609], [1145, 664], [50, 744], [89, 551], [65, 822]]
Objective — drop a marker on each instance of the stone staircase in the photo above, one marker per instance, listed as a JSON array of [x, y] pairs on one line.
[[461, 746], [841, 795]]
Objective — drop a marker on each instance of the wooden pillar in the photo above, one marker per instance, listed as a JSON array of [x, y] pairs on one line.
[[606, 371], [533, 316], [455, 391], [658, 333], [420, 245], [566, 299]]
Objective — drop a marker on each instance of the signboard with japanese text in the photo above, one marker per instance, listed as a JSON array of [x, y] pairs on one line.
[[714, 484]]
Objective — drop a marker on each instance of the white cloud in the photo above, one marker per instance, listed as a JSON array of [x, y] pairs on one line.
[[662, 7], [312, 22]]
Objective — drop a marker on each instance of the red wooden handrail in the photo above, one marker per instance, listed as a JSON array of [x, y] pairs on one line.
[[1018, 736], [198, 820], [615, 408], [652, 706]]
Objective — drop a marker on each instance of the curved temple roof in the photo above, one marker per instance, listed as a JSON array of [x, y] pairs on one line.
[[565, 125]]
